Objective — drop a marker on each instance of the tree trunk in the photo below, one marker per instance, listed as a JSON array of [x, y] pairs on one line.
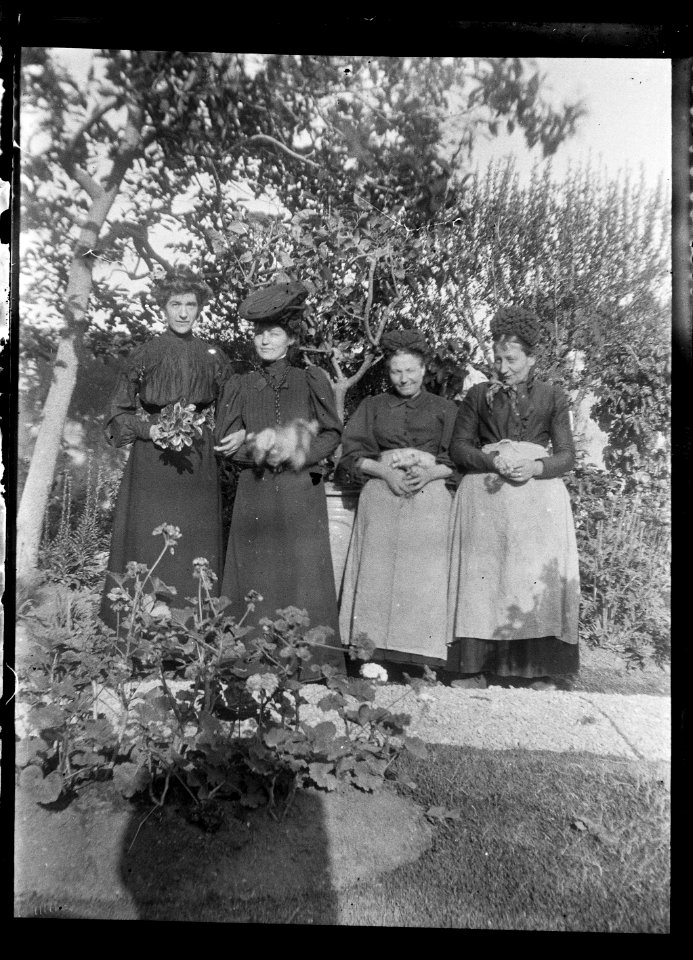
[[32, 507], [36, 491]]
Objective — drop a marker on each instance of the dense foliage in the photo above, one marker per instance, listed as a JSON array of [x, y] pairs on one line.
[[193, 697], [364, 167]]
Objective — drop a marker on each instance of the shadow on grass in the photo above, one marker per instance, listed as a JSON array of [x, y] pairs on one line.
[[252, 869]]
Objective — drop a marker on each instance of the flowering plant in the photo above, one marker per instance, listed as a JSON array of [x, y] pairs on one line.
[[179, 424], [373, 671], [195, 700]]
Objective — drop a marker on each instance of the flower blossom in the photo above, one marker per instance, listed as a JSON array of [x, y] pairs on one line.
[[373, 671], [265, 683], [170, 531]]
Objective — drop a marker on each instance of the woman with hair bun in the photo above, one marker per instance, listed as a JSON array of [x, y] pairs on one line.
[[394, 586], [163, 408], [514, 584]]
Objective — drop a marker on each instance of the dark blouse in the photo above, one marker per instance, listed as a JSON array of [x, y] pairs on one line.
[[253, 401], [390, 422], [543, 417], [166, 369]]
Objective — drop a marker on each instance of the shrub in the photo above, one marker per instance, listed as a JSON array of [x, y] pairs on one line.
[[99, 703], [623, 536], [76, 534]]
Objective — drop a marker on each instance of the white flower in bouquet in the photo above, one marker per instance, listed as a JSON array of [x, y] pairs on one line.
[[373, 671]]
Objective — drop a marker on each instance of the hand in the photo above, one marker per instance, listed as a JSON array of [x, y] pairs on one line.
[[397, 482], [523, 470], [417, 477], [503, 465], [230, 443]]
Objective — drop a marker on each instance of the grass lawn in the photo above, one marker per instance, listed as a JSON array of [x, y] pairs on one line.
[[541, 841]]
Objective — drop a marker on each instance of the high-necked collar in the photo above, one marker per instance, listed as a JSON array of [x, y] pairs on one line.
[[177, 337], [274, 373], [274, 368], [395, 400]]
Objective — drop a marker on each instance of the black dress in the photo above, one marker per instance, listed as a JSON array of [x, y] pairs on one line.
[[166, 486], [279, 539]]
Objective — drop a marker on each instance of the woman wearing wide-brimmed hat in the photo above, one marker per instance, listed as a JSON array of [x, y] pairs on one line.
[[395, 579], [514, 584], [279, 539]]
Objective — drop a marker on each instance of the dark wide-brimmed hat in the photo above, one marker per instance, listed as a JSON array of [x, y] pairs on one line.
[[278, 302]]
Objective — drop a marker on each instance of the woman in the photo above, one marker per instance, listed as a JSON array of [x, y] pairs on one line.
[[279, 541], [394, 586], [514, 583], [162, 484]]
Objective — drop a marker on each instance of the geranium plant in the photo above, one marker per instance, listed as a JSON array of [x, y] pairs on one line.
[[196, 698]]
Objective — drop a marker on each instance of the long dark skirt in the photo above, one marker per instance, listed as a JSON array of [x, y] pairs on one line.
[[162, 486], [279, 546], [530, 657]]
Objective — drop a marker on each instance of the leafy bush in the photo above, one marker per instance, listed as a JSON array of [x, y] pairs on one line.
[[76, 534], [623, 536], [193, 697]]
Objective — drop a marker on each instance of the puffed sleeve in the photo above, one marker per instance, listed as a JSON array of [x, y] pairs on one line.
[[443, 455], [562, 458], [122, 425], [324, 410], [223, 371], [358, 442], [229, 415], [464, 444], [450, 415]]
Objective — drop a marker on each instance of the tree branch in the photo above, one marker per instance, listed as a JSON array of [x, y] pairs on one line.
[[148, 253], [368, 362], [220, 199], [369, 304], [86, 182], [270, 141], [93, 118], [381, 327], [337, 368]]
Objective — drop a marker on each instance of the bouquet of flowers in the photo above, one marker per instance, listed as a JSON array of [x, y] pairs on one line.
[[179, 424]]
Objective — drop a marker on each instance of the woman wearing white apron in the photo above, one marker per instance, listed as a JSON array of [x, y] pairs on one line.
[[514, 589]]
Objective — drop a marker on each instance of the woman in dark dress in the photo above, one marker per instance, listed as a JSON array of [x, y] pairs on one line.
[[279, 539], [162, 484], [514, 584], [395, 579]]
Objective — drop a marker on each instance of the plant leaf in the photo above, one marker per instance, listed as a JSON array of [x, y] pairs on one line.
[[416, 747], [129, 779], [41, 789]]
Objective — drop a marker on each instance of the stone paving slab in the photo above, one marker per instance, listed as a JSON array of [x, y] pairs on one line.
[[635, 727]]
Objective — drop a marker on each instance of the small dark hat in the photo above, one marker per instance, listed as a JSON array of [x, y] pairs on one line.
[[409, 341], [516, 322], [270, 303]]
